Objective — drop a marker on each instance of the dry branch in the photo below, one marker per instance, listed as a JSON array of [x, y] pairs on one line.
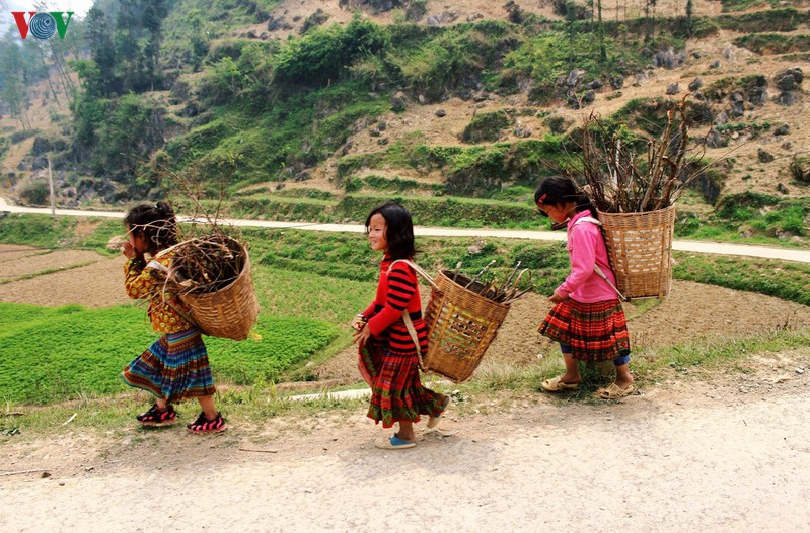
[[619, 179]]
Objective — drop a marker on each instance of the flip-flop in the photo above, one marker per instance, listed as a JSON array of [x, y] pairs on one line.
[[613, 391], [394, 443], [557, 384], [434, 420]]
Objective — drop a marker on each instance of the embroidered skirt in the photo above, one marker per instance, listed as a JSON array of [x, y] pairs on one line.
[[595, 331], [397, 394], [175, 367]]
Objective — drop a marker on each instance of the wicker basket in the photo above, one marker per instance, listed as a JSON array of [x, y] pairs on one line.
[[229, 312], [461, 326], [639, 247]]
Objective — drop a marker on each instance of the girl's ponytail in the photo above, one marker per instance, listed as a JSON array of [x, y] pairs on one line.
[[584, 202]]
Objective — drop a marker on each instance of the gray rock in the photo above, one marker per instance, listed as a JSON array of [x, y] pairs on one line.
[[523, 132], [715, 64], [787, 145], [672, 88], [782, 129], [398, 101], [787, 98], [695, 84], [616, 81], [786, 81], [574, 78], [441, 112], [714, 139], [763, 156]]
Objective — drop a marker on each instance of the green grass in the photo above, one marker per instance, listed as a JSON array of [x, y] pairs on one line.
[[53, 354]]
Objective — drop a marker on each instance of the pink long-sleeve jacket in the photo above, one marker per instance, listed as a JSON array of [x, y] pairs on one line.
[[586, 248]]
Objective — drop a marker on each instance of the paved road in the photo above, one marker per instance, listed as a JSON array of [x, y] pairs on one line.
[[705, 247]]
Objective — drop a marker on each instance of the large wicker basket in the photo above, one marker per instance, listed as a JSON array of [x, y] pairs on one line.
[[639, 247], [229, 312], [461, 326]]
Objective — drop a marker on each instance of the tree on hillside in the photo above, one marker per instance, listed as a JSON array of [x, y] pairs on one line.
[[14, 79], [99, 78]]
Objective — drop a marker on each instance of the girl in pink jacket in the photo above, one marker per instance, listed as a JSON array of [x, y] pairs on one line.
[[587, 318]]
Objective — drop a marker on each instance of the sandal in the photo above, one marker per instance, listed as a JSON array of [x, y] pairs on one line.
[[394, 443], [557, 384], [434, 420], [613, 391]]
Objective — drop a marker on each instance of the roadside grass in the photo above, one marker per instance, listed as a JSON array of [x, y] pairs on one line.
[[494, 388]]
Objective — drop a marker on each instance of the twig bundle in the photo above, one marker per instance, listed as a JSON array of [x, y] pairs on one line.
[[620, 180], [504, 293], [206, 264]]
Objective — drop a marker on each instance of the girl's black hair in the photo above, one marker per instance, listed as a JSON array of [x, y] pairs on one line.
[[156, 222], [398, 229], [559, 190]]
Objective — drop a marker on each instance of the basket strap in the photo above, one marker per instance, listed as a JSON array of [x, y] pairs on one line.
[[406, 317], [602, 275], [186, 316], [417, 268]]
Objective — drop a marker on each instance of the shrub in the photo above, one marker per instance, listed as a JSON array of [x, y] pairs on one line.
[[36, 192], [485, 127]]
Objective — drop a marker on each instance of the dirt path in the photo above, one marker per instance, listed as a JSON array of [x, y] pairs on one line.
[[687, 456]]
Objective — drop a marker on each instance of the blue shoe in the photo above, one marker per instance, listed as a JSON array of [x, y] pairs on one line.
[[394, 443]]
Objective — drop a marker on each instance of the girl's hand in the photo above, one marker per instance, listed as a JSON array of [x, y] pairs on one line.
[[557, 297], [359, 322], [361, 336], [128, 250]]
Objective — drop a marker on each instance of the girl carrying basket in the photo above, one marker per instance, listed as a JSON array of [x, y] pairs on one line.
[[389, 356], [587, 318], [176, 366]]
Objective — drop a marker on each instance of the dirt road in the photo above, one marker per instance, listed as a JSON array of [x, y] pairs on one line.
[[687, 456]]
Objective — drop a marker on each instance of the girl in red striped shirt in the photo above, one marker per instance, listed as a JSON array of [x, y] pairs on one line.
[[389, 356]]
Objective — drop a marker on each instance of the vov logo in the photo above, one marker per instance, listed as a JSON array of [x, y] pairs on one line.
[[42, 25]]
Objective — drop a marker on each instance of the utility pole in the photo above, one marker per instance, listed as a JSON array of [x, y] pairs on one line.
[[50, 181]]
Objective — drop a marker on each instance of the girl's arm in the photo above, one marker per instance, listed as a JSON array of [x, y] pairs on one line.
[[583, 258], [138, 281], [401, 288]]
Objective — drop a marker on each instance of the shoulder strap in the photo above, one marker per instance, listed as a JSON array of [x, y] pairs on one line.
[[587, 219], [406, 317], [604, 277]]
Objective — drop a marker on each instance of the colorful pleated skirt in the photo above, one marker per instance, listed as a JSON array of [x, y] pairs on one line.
[[397, 394], [595, 331], [175, 367]]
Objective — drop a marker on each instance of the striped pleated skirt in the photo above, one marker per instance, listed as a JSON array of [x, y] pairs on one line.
[[595, 331], [397, 394], [175, 367]]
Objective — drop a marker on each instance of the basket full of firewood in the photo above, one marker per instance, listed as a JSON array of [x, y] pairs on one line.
[[211, 276]]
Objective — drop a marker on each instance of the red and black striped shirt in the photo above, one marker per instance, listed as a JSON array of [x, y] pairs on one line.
[[396, 292]]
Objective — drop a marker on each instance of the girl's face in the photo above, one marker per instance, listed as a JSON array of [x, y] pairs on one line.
[[557, 213], [376, 233], [138, 241]]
